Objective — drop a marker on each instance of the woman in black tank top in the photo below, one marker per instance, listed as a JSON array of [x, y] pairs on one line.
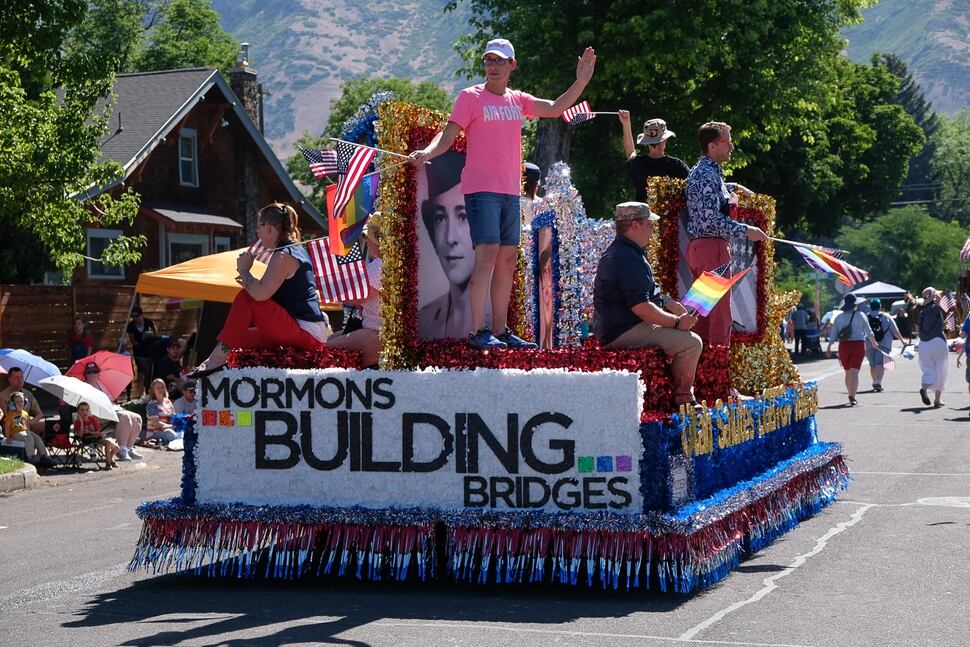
[[282, 308]]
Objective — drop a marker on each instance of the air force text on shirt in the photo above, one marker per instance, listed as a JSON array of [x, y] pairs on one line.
[[502, 113]]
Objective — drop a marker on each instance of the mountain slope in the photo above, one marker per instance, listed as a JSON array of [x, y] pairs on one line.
[[304, 49], [931, 36]]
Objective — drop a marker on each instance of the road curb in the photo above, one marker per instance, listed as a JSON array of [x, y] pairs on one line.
[[25, 477]]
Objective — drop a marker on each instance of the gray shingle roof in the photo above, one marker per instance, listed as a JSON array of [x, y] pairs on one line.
[[146, 102], [152, 103]]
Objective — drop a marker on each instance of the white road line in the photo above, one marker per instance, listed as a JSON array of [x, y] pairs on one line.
[[771, 583], [578, 634], [912, 473]]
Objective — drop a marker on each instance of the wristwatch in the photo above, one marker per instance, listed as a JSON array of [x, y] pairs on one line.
[[677, 323]]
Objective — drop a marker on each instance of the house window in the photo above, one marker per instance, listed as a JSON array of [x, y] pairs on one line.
[[98, 240], [185, 247], [220, 244], [188, 158]]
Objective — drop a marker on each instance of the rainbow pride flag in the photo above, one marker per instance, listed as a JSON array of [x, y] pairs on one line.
[[346, 229], [828, 263], [708, 289]]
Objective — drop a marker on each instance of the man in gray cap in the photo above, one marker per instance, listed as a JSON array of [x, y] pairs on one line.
[[629, 310], [656, 162]]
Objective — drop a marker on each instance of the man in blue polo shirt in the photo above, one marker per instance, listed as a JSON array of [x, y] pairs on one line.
[[630, 312]]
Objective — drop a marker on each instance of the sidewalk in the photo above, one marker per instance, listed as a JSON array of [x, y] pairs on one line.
[[25, 477]]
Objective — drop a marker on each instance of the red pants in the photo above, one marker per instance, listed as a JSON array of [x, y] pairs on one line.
[[706, 254], [263, 324]]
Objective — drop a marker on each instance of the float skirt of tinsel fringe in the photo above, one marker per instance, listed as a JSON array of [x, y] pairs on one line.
[[692, 548]]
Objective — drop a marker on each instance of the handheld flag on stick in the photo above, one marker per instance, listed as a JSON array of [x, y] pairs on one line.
[[965, 251], [827, 263], [888, 362], [948, 304], [322, 163], [258, 250], [339, 278], [578, 114], [708, 289]]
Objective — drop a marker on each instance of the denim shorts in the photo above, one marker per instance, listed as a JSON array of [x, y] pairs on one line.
[[875, 357], [493, 218]]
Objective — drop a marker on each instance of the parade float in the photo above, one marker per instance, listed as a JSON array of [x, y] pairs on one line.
[[568, 464]]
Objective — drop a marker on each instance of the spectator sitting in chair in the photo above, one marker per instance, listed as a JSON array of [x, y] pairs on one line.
[[87, 428], [169, 367], [186, 404], [16, 428], [160, 412], [129, 422], [16, 378]]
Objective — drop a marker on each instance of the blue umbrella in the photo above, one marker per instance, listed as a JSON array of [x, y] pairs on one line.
[[35, 368]]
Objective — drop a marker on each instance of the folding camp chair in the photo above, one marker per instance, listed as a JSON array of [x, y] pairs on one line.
[[60, 446]]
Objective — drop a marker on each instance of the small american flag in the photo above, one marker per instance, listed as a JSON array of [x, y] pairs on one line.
[[353, 162], [888, 362], [949, 304], [322, 162], [578, 113], [721, 270], [965, 250], [258, 250], [340, 278]]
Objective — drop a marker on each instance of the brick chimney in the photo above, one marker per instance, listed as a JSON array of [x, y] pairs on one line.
[[243, 82]]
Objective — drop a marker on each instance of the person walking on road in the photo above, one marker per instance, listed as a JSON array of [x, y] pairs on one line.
[[852, 330], [933, 349], [883, 330]]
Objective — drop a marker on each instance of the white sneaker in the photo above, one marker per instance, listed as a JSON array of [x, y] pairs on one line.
[[123, 455], [133, 454]]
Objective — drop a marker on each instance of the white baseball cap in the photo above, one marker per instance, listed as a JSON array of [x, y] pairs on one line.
[[500, 47]]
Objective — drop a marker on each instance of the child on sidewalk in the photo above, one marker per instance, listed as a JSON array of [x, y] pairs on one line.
[[87, 428], [16, 427]]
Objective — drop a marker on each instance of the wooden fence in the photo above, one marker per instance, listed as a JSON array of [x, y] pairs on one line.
[[39, 318]]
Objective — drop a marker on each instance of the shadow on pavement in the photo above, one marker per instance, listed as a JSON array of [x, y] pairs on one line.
[[219, 606]]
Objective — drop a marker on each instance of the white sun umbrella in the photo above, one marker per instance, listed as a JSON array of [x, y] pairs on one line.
[[74, 391], [35, 368]]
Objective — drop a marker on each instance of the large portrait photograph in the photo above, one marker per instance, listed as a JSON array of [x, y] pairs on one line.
[[445, 254]]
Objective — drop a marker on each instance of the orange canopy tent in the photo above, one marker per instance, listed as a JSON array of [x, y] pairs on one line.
[[209, 278]]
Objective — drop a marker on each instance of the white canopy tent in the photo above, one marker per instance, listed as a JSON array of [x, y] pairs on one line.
[[879, 290]]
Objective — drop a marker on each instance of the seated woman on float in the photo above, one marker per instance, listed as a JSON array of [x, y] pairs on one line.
[[280, 309], [367, 338]]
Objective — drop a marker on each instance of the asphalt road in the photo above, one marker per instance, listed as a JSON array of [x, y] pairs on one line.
[[887, 565]]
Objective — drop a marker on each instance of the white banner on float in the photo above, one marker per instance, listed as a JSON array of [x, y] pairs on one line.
[[488, 439]]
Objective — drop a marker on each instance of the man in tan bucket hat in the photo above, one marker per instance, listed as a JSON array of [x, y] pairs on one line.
[[654, 162]]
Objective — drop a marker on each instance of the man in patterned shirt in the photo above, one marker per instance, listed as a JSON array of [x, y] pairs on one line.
[[709, 223]]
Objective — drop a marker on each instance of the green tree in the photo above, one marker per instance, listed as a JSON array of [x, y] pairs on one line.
[[906, 247], [353, 94], [794, 274], [114, 29], [50, 137], [846, 159], [951, 167], [919, 181], [187, 33]]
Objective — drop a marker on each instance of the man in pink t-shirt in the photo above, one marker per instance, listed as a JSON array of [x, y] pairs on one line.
[[491, 114]]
